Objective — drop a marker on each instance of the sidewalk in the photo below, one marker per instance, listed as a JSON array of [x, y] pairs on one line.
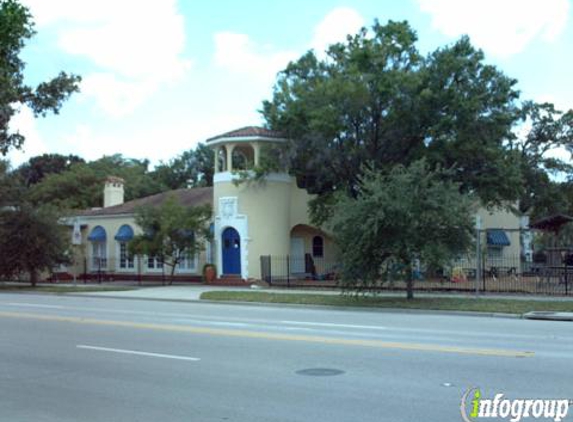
[[190, 293]]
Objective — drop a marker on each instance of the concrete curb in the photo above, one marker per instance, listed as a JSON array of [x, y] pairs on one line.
[[534, 315], [549, 316]]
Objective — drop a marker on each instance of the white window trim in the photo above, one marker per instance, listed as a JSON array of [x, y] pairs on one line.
[[92, 257], [154, 270], [118, 262], [194, 270]]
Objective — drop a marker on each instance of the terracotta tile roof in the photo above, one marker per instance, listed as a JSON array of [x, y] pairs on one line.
[[188, 197], [249, 131]]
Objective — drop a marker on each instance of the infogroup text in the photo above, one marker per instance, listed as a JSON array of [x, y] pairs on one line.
[[474, 408]]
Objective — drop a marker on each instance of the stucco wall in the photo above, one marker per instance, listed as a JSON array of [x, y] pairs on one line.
[[506, 220], [308, 233], [299, 210], [262, 218], [111, 224]]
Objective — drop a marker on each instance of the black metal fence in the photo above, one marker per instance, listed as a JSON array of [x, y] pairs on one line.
[[140, 270], [508, 274], [292, 271]]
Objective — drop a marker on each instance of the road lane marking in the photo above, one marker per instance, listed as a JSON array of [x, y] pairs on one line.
[[275, 336], [329, 324], [34, 305], [249, 322], [136, 352]]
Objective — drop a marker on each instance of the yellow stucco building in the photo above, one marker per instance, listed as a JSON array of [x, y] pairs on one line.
[[256, 225]]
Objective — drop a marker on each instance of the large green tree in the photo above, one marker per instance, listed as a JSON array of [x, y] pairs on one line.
[[82, 185], [31, 241], [411, 213], [545, 129], [171, 232], [193, 168], [375, 97], [38, 167], [16, 28], [10, 187]]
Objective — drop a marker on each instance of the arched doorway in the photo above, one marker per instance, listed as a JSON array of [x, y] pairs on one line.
[[231, 242]]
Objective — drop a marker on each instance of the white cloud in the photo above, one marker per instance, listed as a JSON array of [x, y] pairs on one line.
[[159, 141], [500, 27], [137, 45], [335, 27], [117, 96], [25, 123], [238, 53]]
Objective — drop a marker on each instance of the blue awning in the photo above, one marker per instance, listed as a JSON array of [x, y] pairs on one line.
[[497, 237], [97, 234], [124, 234]]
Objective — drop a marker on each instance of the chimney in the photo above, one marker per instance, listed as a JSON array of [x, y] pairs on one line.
[[113, 191]]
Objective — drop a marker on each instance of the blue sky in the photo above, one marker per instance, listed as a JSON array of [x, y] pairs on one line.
[[159, 76]]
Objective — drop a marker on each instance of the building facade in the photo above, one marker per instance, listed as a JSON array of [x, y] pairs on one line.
[[256, 223]]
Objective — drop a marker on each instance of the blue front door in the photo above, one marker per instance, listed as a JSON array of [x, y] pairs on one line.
[[231, 242]]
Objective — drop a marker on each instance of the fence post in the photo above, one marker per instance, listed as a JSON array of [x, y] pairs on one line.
[[139, 264], [483, 277], [288, 270], [566, 280], [266, 272]]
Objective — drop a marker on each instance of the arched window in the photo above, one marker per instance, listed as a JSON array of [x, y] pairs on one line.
[[222, 159], [317, 247], [240, 161]]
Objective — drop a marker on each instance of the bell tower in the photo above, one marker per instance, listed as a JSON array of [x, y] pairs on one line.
[[251, 218]]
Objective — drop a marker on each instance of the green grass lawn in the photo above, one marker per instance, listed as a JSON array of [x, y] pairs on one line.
[[61, 289], [438, 303]]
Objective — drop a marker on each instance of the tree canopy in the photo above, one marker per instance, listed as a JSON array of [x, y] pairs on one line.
[[193, 168], [81, 186], [545, 130], [376, 98], [31, 241], [38, 167], [16, 28], [410, 213]]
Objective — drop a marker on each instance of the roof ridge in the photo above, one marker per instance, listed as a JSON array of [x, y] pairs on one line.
[[188, 196], [249, 131]]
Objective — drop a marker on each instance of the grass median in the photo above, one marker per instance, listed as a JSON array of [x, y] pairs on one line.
[[489, 305]]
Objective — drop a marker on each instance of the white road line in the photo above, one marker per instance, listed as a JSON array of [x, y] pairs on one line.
[[254, 322], [34, 305], [328, 324], [136, 352], [217, 323]]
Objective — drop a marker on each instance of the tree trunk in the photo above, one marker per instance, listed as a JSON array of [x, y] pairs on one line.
[[409, 288], [409, 282], [33, 277], [172, 274]]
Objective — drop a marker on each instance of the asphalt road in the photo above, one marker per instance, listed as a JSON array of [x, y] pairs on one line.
[[97, 359]]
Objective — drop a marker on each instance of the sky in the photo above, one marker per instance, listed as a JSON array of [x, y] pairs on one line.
[[159, 76]]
